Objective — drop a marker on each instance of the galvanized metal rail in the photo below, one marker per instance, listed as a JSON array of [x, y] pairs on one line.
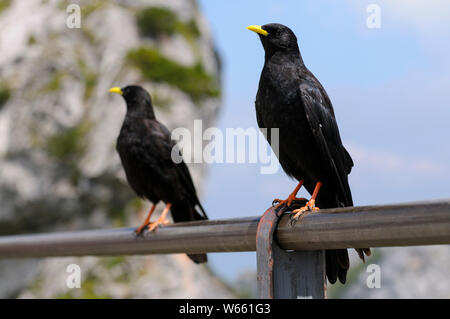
[[424, 223]]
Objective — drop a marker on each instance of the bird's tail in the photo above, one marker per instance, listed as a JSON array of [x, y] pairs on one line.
[[337, 264], [336, 260], [184, 212], [363, 251]]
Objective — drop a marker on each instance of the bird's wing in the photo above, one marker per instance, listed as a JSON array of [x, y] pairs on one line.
[[259, 119], [187, 181], [320, 115], [263, 128], [182, 171]]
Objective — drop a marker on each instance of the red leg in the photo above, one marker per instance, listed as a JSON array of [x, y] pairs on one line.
[[161, 219], [310, 206], [291, 197], [147, 220]]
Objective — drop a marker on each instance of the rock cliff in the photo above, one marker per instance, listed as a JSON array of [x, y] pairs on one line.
[[58, 127]]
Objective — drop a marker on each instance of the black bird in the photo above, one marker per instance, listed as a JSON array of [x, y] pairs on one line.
[[145, 147], [291, 99]]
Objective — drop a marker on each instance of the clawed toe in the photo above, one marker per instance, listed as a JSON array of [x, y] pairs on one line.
[[276, 201], [139, 232], [288, 201], [299, 214], [155, 225]]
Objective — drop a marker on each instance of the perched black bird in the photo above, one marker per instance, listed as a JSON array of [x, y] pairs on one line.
[[145, 149], [291, 99]]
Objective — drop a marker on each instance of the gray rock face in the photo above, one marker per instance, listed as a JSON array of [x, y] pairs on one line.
[[58, 128], [406, 272]]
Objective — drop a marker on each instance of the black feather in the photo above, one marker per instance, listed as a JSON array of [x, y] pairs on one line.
[[291, 99], [145, 148]]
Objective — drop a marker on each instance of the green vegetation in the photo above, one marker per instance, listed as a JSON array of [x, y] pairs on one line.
[[31, 40], [161, 102], [111, 262], [118, 215], [36, 285], [4, 4], [5, 94], [120, 203], [88, 288], [87, 9], [135, 204], [189, 30], [89, 34], [49, 212], [35, 134], [192, 28], [90, 79], [55, 82], [66, 295], [87, 291], [192, 80], [154, 22], [69, 144]]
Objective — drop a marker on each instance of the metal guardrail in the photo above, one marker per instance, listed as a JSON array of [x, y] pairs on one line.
[[423, 223]]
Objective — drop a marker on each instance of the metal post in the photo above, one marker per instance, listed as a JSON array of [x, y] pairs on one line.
[[286, 275]]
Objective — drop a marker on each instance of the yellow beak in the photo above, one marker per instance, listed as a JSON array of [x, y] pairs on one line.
[[116, 89], [258, 29]]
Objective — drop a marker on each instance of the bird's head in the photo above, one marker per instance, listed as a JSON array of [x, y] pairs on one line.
[[132, 93], [137, 99], [276, 37]]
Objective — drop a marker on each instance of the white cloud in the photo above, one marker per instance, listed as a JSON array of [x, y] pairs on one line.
[[431, 19], [388, 163], [423, 13]]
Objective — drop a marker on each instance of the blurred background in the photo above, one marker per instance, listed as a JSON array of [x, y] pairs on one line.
[[59, 170]]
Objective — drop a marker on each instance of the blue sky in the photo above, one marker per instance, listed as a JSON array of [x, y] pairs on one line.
[[389, 88]]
